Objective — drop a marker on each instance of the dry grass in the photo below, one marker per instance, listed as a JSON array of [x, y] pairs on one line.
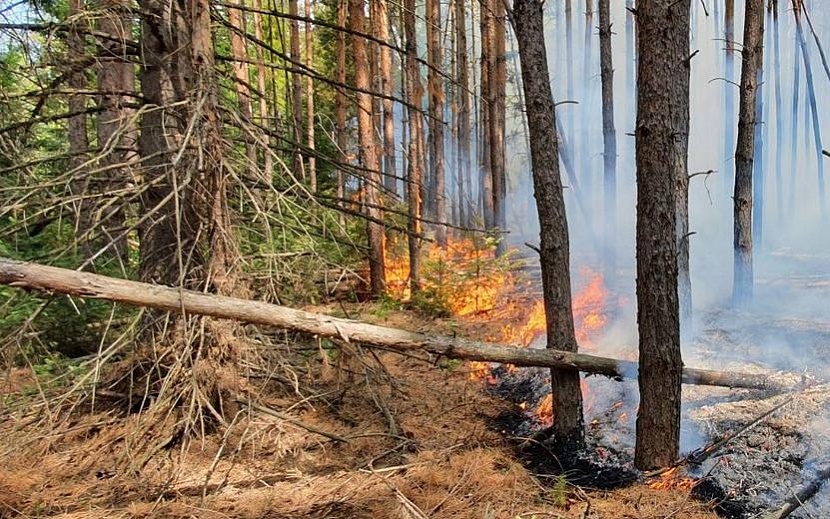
[[439, 460]]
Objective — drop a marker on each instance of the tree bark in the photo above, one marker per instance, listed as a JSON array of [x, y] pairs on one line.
[[484, 144], [728, 94], [309, 98], [609, 137], [173, 299], [340, 104], [752, 61], [436, 119], [262, 79], [414, 178], [296, 90], [661, 148], [77, 131], [115, 77], [239, 49], [554, 254], [386, 88], [368, 149], [463, 96], [497, 104]]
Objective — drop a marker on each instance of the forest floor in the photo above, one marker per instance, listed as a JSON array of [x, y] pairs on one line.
[[418, 444]]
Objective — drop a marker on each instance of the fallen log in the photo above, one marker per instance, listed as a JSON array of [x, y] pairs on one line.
[[94, 286]]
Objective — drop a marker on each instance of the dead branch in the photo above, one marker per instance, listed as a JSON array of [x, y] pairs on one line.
[[82, 284], [803, 495]]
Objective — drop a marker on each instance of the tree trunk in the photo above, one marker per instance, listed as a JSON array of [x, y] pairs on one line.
[[752, 61], [236, 18], [609, 137], [189, 241], [387, 89], [115, 77], [309, 98], [436, 116], [77, 132], [779, 117], [661, 148], [264, 119], [484, 144], [497, 104], [728, 94], [550, 204], [368, 149], [340, 104], [464, 134], [414, 178], [296, 104], [811, 98]]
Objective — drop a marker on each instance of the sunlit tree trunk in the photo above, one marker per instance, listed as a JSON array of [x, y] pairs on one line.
[[368, 149], [436, 123], [498, 109], [751, 64], [387, 89], [661, 152], [416, 148], [240, 71], [550, 202]]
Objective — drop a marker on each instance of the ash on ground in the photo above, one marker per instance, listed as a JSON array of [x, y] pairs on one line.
[[755, 472]]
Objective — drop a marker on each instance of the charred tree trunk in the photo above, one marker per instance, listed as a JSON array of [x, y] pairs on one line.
[[498, 109], [368, 150], [661, 150], [752, 56], [309, 98], [436, 120], [550, 204], [609, 137], [414, 174], [296, 97]]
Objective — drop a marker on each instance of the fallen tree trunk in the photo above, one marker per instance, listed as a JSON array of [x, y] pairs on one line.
[[94, 286]]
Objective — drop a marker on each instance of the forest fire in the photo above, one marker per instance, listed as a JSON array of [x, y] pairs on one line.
[[465, 278]]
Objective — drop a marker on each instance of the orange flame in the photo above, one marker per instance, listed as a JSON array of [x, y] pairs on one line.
[[671, 479]]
